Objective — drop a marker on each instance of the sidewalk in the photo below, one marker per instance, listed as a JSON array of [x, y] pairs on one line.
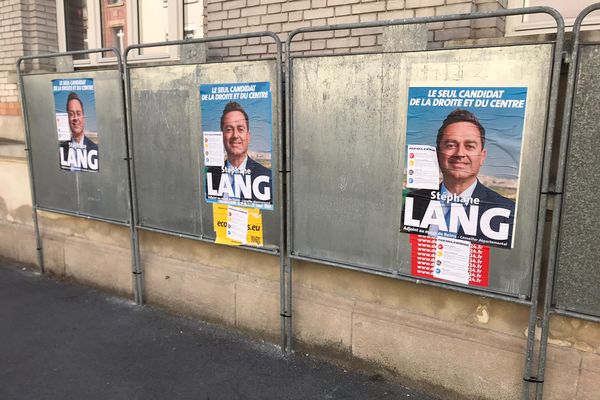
[[63, 341]]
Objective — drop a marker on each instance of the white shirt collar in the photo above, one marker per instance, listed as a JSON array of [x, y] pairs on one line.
[[242, 166], [467, 194]]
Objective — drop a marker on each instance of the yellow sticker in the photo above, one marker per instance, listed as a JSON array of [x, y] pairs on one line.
[[255, 226]]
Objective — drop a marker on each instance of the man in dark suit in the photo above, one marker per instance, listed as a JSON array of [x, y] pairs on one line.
[[462, 207], [242, 178], [79, 153]]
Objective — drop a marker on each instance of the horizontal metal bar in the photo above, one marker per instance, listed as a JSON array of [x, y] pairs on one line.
[[462, 47], [200, 238], [575, 314], [82, 215], [73, 53], [407, 278], [202, 40], [425, 20], [135, 63]]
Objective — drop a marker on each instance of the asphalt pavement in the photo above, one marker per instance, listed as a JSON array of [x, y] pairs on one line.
[[60, 340]]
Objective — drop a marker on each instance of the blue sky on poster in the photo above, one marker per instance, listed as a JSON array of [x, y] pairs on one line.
[[62, 88], [258, 109], [503, 121]]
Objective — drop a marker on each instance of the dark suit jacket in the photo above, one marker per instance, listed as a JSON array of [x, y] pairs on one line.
[[256, 170], [89, 145], [487, 199]]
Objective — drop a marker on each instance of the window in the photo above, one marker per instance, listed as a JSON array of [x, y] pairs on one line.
[[76, 24], [153, 23], [544, 23], [90, 24], [192, 19], [113, 25]]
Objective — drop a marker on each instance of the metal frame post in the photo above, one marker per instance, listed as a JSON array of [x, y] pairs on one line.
[[558, 198], [25, 114], [134, 246], [285, 291]]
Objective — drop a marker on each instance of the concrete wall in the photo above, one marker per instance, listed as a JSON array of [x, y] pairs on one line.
[[445, 341]]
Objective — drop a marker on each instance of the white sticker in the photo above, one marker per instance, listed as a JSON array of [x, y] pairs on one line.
[[422, 171], [237, 224], [452, 260], [214, 154], [62, 127]]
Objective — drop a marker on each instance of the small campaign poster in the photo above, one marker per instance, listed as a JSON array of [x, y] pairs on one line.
[[430, 259], [463, 152], [236, 144], [235, 226], [75, 110]]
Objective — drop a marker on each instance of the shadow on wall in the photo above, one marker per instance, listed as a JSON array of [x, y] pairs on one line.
[[3, 209], [20, 215]]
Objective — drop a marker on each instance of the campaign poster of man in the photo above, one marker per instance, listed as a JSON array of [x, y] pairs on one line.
[[236, 143], [463, 152], [75, 109]]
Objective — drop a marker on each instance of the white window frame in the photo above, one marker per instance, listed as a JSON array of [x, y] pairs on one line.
[[175, 24], [519, 25]]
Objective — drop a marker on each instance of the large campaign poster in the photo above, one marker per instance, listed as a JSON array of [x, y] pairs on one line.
[[75, 110], [236, 144], [463, 155]]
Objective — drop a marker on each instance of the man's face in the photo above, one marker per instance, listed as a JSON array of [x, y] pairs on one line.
[[460, 152], [235, 134], [76, 118]]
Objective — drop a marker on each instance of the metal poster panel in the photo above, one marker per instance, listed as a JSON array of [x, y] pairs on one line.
[[163, 121], [577, 274], [67, 114], [236, 129], [358, 119], [76, 126], [343, 205], [457, 189], [179, 142]]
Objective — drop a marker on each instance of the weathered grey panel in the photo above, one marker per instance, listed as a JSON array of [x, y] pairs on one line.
[[167, 132], [349, 118], [102, 194], [578, 274], [163, 109], [344, 206]]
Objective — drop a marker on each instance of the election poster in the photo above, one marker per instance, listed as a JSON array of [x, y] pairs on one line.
[[236, 144], [461, 177], [450, 259], [235, 226], [75, 110]]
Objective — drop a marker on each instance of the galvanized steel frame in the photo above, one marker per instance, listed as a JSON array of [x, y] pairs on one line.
[[543, 196], [81, 215], [549, 307], [561, 171], [284, 185], [285, 282], [35, 206]]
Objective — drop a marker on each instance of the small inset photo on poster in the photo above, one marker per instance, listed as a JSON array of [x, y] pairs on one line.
[[75, 109], [236, 144], [463, 154]]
